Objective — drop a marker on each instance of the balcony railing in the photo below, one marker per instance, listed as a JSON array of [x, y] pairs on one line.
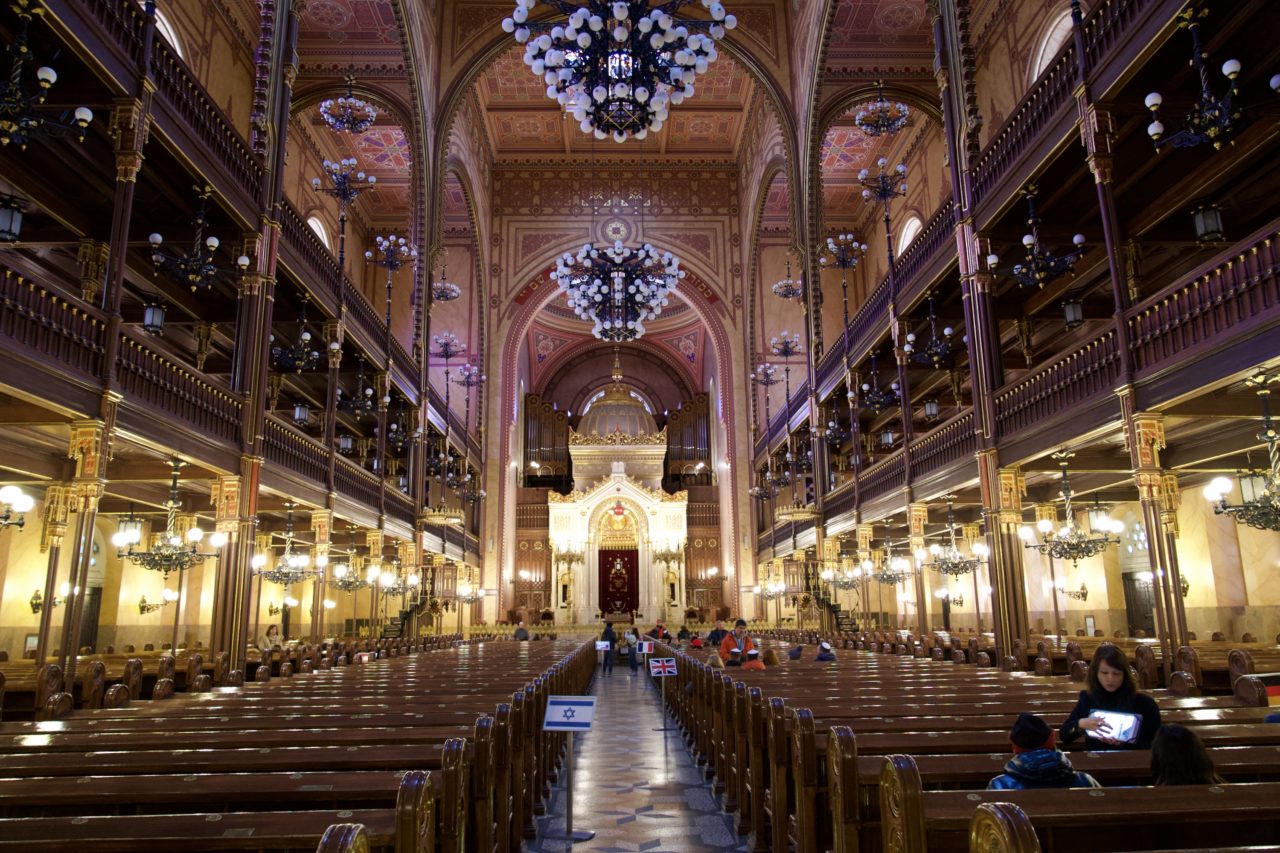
[[1229, 295], [938, 233], [952, 442], [354, 482], [148, 378], [293, 451], [882, 478], [47, 324], [1059, 386], [400, 506]]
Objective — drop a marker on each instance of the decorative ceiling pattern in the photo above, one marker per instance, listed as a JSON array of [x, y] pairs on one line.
[[353, 23], [776, 215], [383, 148], [383, 152], [456, 215], [880, 34], [846, 150]]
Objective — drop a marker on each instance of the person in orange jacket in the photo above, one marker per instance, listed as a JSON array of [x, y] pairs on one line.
[[753, 661], [739, 640]]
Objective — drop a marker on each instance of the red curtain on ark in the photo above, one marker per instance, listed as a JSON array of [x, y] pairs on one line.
[[619, 580]]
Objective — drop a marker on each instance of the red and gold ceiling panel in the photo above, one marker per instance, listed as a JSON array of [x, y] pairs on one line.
[[702, 132], [776, 215], [526, 130], [350, 22], [875, 34]]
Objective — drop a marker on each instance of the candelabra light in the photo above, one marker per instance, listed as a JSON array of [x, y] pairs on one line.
[[1081, 594], [1259, 506], [361, 404], [617, 67], [391, 253], [37, 601], [196, 267], [1213, 119], [786, 345], [938, 350], [1070, 542], [893, 570], [300, 355], [1039, 267], [346, 184], [617, 288], [171, 553], [788, 287], [348, 114], [14, 506], [443, 290], [23, 115], [873, 396], [881, 117], [947, 559], [345, 579], [292, 567]]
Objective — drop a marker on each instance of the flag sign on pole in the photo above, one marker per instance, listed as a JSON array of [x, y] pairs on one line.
[[662, 667], [602, 645], [569, 713], [645, 647]]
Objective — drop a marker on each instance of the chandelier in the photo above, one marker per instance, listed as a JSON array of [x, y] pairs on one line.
[[788, 287], [361, 404], [947, 559], [292, 567], [617, 67], [470, 377], [345, 579], [195, 267], [14, 501], [893, 570], [171, 553], [443, 290], [765, 375], [394, 582], [1259, 488], [786, 345], [348, 114], [397, 433], [873, 396], [1070, 542], [20, 113], [937, 352], [1040, 267], [847, 576], [299, 355], [617, 288], [881, 117], [771, 589], [348, 182]]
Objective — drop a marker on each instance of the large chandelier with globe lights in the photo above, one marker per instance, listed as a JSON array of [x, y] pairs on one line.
[[938, 350], [173, 552], [618, 67], [1259, 489], [788, 287], [196, 267], [893, 570], [947, 558], [881, 117], [443, 290], [617, 288], [873, 396], [293, 566], [1069, 542], [348, 114], [1040, 266]]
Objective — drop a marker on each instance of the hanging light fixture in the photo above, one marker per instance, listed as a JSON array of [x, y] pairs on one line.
[[1213, 119], [153, 318], [347, 183], [361, 404], [766, 488], [11, 210], [348, 114], [617, 288], [301, 413], [1070, 542], [947, 559], [1206, 217], [469, 491], [171, 553], [939, 349], [932, 409], [14, 505], [893, 570], [446, 346], [1073, 313], [788, 287], [292, 567], [343, 575], [617, 67], [397, 433], [443, 290], [196, 268], [875, 398], [22, 114], [1040, 267], [1259, 506], [300, 355], [881, 117]]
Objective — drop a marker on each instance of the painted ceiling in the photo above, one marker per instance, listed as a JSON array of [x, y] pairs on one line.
[[876, 35]]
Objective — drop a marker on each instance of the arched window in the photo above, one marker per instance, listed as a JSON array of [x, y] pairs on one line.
[[910, 230], [321, 232], [165, 28], [1050, 43]]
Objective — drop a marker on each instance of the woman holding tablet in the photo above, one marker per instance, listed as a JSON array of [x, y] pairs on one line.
[[1112, 714]]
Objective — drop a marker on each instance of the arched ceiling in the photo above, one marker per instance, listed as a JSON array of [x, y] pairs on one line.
[[845, 151], [874, 37]]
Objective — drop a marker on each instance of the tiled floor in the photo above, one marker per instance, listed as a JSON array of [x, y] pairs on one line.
[[637, 788]]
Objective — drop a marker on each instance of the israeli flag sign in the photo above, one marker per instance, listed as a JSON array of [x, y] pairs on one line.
[[602, 645], [569, 713], [645, 647]]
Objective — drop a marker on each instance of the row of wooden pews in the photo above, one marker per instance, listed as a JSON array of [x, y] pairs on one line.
[[427, 749], [892, 751]]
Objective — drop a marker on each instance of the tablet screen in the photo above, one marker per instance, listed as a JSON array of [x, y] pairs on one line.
[[1117, 725]]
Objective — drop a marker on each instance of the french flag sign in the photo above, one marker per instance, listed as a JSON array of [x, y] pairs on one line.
[[569, 713], [662, 667], [644, 647]]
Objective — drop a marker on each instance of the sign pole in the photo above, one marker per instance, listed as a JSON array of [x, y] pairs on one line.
[[567, 714]]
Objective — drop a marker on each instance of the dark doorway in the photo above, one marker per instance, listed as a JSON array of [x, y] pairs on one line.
[[1139, 604], [89, 617]]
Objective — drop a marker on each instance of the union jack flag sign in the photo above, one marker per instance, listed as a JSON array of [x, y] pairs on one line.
[[662, 667]]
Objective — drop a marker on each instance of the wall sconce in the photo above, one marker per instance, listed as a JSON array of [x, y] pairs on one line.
[[1081, 594], [145, 607], [330, 604], [11, 208], [37, 600], [1207, 219], [14, 501], [153, 318], [1073, 313]]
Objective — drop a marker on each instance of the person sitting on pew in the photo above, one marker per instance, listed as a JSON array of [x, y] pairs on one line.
[[771, 658], [273, 638], [739, 640], [1179, 757], [735, 657], [696, 640], [795, 652], [1037, 762], [521, 632], [753, 661], [683, 634], [715, 661], [716, 635], [824, 652], [1110, 689]]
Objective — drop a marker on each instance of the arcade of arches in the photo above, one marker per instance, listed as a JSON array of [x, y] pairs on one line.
[[374, 448]]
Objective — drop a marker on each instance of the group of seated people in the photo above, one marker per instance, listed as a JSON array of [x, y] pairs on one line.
[[736, 648]]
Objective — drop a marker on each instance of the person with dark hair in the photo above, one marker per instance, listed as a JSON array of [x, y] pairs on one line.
[[611, 637], [683, 634], [1037, 762], [716, 635], [521, 632], [1111, 690], [1179, 757], [735, 657], [825, 653], [795, 652], [753, 661], [739, 640]]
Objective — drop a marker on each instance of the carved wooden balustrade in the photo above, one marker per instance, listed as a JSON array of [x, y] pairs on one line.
[[882, 479], [44, 323], [293, 451], [148, 378], [400, 505], [944, 446], [839, 501], [357, 483], [1056, 388], [937, 236]]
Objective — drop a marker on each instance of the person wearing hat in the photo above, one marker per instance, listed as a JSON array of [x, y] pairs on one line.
[[795, 652], [824, 652], [1037, 762], [753, 661], [735, 657], [737, 640]]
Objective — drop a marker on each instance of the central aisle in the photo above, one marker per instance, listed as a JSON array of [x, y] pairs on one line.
[[636, 787]]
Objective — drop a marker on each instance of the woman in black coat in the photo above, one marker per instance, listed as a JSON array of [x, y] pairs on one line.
[[1111, 688], [606, 662]]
